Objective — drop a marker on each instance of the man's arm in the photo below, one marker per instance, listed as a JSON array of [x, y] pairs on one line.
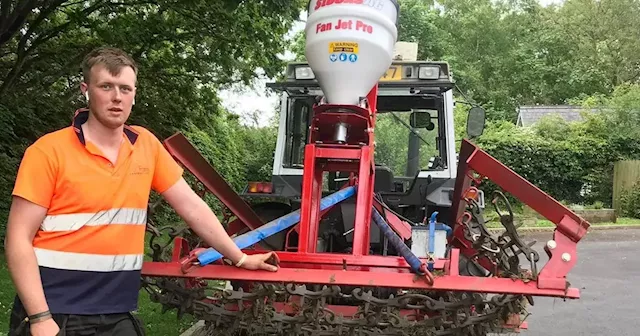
[[168, 181], [24, 220], [197, 214], [32, 193]]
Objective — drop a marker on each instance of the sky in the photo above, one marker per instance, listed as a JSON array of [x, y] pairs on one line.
[[259, 101]]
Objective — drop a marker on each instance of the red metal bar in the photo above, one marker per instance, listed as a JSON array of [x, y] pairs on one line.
[[348, 260], [235, 226], [567, 221], [570, 228], [359, 278], [372, 99], [180, 249], [185, 153], [402, 228], [310, 208], [338, 153], [364, 201]]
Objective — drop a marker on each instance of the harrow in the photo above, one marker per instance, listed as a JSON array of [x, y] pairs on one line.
[[482, 284]]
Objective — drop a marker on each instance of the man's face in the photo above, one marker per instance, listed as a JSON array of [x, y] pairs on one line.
[[111, 97]]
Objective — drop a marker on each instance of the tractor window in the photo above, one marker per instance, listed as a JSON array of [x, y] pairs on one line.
[[298, 111], [405, 149], [409, 133]]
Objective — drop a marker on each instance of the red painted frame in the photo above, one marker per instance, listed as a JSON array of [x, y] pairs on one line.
[[322, 154], [359, 268], [570, 228], [300, 269]]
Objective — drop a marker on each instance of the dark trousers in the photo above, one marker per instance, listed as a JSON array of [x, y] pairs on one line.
[[123, 324]]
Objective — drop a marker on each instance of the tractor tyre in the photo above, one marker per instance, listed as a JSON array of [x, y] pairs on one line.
[[269, 211]]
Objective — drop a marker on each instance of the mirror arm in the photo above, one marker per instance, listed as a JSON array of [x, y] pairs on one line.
[[409, 127], [467, 103]]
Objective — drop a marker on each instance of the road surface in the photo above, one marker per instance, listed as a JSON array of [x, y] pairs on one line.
[[608, 276]]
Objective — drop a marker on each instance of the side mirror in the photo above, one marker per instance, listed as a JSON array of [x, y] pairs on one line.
[[421, 120], [475, 122]]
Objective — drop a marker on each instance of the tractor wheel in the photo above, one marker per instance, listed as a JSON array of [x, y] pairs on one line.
[[269, 211]]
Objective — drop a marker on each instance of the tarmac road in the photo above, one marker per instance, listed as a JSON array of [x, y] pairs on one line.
[[608, 276]]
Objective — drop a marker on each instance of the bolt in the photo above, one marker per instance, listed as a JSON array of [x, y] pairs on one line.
[[566, 257], [552, 244]]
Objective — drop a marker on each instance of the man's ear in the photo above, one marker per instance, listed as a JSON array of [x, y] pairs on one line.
[[84, 88]]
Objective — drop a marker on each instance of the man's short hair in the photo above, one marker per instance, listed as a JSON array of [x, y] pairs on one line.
[[113, 59]]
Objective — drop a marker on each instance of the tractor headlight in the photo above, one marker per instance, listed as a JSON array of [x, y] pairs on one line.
[[429, 72], [304, 73]]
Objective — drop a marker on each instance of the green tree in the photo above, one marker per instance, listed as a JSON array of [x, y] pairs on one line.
[[186, 51]]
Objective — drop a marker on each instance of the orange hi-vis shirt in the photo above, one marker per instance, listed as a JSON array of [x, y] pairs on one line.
[[90, 246]]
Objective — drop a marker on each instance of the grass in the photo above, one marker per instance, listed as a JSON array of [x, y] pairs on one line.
[[7, 294], [156, 323]]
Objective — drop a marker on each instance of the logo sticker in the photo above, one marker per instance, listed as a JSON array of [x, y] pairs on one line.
[[343, 57], [353, 58], [333, 57]]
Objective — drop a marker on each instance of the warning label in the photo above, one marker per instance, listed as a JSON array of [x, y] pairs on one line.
[[348, 47]]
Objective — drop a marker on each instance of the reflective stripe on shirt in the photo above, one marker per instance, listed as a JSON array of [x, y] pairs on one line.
[[88, 262], [71, 222]]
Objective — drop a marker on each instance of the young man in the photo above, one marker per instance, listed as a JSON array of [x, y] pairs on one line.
[[75, 236]]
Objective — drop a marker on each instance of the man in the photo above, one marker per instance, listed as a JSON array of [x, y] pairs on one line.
[[75, 236]]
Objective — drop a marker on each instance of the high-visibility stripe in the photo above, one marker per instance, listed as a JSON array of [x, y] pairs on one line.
[[71, 222], [88, 262], [104, 239]]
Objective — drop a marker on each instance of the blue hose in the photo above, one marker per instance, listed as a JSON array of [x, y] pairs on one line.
[[245, 240], [413, 261], [432, 240]]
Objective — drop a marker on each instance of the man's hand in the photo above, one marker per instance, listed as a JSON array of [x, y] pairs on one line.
[[263, 261], [197, 214], [47, 327]]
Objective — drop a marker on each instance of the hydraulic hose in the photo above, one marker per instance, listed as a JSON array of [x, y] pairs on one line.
[[413, 261]]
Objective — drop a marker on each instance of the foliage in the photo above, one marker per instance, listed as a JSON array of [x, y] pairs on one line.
[[186, 52], [572, 161], [630, 201]]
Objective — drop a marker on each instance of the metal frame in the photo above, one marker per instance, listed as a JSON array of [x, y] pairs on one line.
[[358, 268], [570, 228], [324, 155], [313, 268], [307, 266]]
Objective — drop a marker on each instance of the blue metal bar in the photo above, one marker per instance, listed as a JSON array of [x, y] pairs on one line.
[[413, 261], [245, 240]]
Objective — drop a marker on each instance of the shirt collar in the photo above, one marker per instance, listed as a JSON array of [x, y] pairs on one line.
[[82, 115]]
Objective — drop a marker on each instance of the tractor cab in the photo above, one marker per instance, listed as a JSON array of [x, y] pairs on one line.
[[415, 152]]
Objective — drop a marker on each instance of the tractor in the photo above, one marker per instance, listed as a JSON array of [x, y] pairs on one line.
[[375, 214]]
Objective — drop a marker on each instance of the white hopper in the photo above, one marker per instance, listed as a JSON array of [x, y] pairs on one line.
[[349, 45]]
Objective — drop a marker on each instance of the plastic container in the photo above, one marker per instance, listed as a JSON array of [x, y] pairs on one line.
[[349, 45]]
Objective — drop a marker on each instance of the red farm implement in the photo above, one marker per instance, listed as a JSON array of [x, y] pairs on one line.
[[433, 270]]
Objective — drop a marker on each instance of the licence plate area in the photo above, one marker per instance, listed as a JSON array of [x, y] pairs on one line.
[[394, 73]]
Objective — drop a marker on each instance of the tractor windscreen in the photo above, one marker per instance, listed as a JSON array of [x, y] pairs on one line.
[[410, 133]]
